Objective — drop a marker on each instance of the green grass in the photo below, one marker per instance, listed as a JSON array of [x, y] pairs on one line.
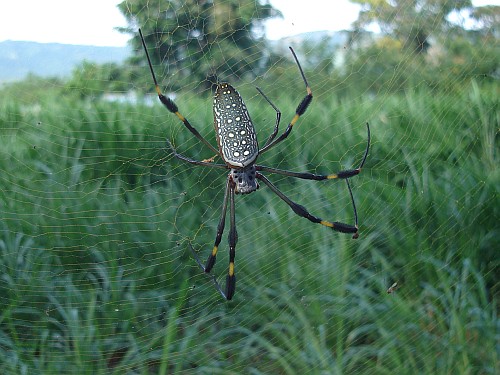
[[96, 276]]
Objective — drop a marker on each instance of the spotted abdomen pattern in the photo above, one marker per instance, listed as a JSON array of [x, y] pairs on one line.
[[233, 127]]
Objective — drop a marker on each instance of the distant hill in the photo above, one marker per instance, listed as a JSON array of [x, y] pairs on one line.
[[17, 59]]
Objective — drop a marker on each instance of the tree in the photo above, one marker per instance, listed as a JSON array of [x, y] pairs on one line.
[[402, 57], [489, 19], [200, 40], [411, 22]]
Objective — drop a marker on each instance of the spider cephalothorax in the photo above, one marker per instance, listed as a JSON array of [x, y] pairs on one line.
[[244, 179], [239, 149]]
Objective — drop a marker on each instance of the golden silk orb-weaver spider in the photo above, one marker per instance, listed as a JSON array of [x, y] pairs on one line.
[[239, 149]]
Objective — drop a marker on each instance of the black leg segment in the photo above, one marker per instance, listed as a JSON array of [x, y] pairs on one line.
[[233, 239], [302, 107], [303, 212]]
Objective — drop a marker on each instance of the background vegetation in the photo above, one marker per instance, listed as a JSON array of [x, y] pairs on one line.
[[95, 272]]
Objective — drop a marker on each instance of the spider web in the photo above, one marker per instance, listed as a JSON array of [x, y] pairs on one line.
[[98, 217]]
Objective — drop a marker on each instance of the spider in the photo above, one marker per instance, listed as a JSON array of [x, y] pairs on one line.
[[239, 149]]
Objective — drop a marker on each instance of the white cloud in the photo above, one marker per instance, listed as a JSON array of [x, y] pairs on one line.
[[93, 21], [62, 21]]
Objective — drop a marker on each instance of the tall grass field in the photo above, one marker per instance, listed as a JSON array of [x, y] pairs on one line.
[[96, 275]]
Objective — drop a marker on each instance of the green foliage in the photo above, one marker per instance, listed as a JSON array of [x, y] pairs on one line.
[[31, 89], [91, 80], [473, 56], [385, 66], [410, 22], [96, 277]]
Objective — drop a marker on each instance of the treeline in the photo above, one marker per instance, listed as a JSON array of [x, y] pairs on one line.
[[198, 43]]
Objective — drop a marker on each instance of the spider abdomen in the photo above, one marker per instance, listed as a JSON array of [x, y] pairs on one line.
[[233, 128]]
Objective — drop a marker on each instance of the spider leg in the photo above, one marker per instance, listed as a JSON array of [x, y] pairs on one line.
[[233, 239], [355, 235], [212, 277], [220, 229], [169, 103], [278, 118], [302, 175], [212, 257], [319, 177], [192, 161], [303, 212], [302, 107]]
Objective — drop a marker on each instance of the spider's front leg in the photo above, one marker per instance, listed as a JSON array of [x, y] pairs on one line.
[[170, 104], [301, 109], [278, 118]]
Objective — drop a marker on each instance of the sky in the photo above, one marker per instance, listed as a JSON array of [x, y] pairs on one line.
[[92, 22]]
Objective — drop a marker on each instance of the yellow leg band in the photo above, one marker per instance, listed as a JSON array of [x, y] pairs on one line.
[[331, 176], [214, 251], [294, 120], [181, 117], [326, 223], [231, 268]]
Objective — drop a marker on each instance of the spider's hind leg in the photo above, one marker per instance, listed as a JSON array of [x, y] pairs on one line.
[[233, 239], [220, 230], [214, 279]]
